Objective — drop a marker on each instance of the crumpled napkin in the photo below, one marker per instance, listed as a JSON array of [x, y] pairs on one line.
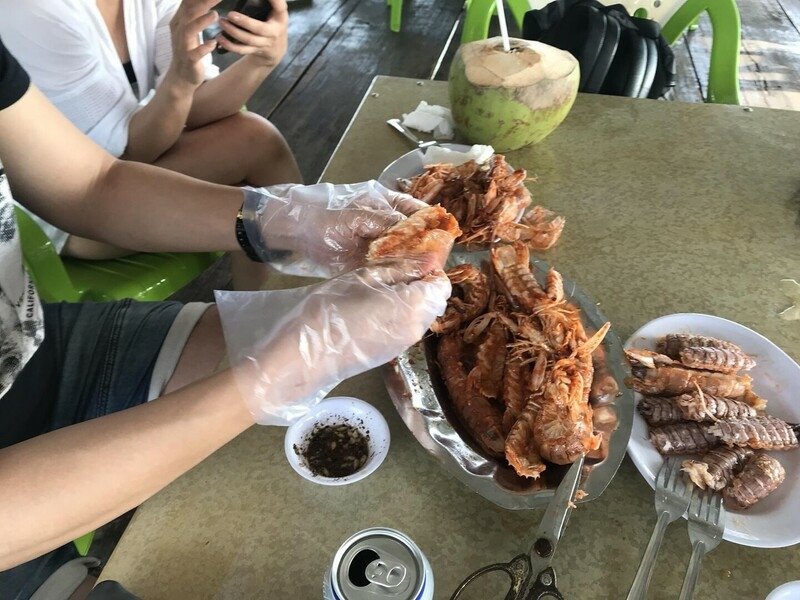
[[437, 154], [431, 118]]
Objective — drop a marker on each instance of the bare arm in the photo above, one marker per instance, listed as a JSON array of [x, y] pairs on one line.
[[142, 450], [71, 182], [262, 45]]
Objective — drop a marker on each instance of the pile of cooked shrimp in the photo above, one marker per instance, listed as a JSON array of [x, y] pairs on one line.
[[487, 200], [697, 402], [526, 380]]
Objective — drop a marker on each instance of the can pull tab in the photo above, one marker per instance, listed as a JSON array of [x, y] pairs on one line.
[[386, 573]]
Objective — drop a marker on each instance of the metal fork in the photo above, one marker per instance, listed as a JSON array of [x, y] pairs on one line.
[[706, 526], [406, 132], [672, 500]]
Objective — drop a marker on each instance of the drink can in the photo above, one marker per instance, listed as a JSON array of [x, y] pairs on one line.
[[376, 564]]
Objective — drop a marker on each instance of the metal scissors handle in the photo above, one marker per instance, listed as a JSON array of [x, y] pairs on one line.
[[532, 576]]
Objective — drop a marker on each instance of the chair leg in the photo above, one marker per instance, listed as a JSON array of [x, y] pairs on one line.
[[477, 19], [723, 73], [396, 17]]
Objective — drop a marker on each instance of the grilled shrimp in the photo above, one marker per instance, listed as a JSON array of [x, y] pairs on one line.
[[521, 447], [717, 467], [514, 392], [490, 361], [512, 265], [760, 433], [673, 381], [639, 357], [469, 298], [682, 438], [482, 420], [429, 233], [563, 428], [673, 343], [705, 407], [716, 359], [659, 410], [539, 228], [761, 476]]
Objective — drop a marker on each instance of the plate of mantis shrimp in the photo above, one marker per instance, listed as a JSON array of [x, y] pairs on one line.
[[726, 399], [519, 378], [489, 199]]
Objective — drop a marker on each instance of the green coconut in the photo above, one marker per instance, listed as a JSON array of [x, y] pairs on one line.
[[511, 99]]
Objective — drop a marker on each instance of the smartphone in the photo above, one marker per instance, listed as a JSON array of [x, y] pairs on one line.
[[255, 9]]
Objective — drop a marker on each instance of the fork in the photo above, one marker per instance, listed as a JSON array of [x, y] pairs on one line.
[[672, 500], [398, 126], [706, 526]]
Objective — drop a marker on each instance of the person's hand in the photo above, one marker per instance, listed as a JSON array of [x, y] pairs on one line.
[[262, 41], [321, 230], [323, 334], [188, 49]]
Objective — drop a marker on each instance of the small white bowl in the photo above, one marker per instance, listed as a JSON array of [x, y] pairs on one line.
[[787, 591], [333, 411]]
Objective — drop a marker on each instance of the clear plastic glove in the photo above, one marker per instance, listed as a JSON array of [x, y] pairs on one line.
[[289, 348], [320, 230]]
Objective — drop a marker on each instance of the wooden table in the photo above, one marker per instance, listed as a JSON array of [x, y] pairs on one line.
[[670, 207]]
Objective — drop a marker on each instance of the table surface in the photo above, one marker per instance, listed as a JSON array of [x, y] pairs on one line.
[[670, 207]]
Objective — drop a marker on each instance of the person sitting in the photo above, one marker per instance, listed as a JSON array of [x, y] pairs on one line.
[[137, 78], [103, 404]]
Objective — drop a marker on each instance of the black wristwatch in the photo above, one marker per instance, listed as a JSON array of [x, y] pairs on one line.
[[244, 241]]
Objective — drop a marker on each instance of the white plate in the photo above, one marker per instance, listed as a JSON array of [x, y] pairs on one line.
[[410, 165], [787, 591], [773, 522]]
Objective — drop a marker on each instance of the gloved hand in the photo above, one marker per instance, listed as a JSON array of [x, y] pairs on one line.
[[289, 348], [320, 230]]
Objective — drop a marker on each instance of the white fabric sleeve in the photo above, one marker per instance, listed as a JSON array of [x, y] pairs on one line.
[[64, 63], [163, 42]]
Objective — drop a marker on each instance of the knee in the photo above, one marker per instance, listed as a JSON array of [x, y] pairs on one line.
[[261, 137]]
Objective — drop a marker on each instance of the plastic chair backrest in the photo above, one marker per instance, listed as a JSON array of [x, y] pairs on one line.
[[43, 262], [660, 11], [675, 16]]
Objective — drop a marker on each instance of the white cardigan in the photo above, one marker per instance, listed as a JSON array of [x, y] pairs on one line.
[[66, 48]]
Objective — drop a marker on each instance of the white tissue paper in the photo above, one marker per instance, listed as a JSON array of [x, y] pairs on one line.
[[431, 118], [438, 154]]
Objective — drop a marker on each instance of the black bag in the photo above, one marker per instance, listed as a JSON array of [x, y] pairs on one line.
[[618, 54]]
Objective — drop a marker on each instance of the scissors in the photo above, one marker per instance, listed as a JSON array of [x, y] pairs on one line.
[[532, 577]]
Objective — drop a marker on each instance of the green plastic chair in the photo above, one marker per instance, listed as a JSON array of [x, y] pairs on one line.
[[396, 14], [140, 276], [723, 73], [144, 277]]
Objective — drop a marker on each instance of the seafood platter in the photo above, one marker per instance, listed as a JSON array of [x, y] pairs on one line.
[[522, 375], [724, 398]]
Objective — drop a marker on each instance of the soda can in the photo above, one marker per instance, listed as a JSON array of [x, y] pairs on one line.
[[376, 564]]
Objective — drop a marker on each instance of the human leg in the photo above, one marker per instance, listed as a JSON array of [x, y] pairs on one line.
[[244, 149]]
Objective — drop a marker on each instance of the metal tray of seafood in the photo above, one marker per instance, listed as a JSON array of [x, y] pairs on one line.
[[421, 399]]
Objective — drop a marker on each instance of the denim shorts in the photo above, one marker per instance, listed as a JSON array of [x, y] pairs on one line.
[[96, 359]]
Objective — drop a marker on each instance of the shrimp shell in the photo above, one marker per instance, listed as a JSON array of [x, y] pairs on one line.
[[761, 476], [674, 381], [482, 420], [474, 288], [521, 451], [673, 343], [717, 467], [716, 359], [682, 438], [760, 433], [659, 410], [695, 407]]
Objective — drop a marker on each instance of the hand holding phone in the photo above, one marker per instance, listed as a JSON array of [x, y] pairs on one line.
[[261, 10]]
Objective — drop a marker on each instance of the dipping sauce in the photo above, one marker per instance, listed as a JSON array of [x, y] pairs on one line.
[[335, 450]]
